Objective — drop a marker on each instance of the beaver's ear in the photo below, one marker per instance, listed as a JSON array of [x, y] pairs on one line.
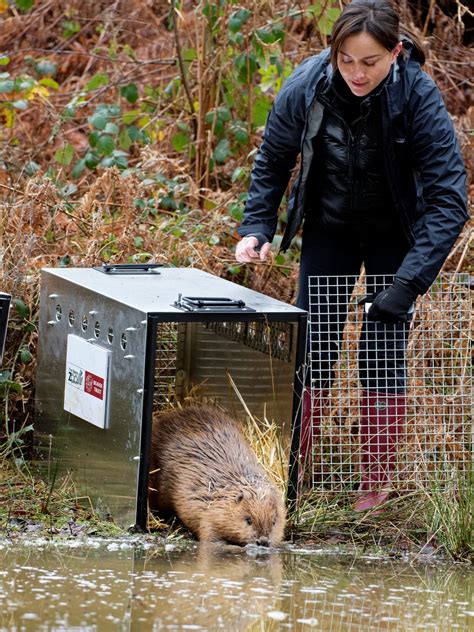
[[242, 494]]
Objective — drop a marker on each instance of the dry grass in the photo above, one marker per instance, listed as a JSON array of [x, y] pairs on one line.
[[33, 506]]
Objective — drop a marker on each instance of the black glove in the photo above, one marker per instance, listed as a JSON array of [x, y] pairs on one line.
[[392, 304]]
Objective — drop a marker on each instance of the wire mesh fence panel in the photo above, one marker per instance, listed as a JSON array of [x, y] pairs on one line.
[[167, 343], [387, 405]]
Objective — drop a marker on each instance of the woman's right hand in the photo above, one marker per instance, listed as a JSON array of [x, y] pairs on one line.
[[246, 250]]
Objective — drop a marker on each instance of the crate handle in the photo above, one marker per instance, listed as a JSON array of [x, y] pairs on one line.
[[211, 303], [130, 268]]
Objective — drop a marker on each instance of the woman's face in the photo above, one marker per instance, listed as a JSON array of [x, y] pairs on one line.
[[363, 62]]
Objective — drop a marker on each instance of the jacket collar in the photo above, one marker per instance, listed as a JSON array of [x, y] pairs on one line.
[[335, 93]]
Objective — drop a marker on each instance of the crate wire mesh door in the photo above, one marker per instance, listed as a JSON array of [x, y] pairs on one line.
[[244, 350], [390, 405]]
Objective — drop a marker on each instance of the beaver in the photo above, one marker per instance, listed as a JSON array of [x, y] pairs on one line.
[[204, 472]]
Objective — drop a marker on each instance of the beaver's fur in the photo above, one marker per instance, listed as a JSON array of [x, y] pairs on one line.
[[204, 472]]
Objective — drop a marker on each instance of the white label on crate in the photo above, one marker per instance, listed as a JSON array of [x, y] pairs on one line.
[[85, 392]]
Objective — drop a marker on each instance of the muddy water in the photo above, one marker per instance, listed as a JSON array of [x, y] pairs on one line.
[[135, 585]]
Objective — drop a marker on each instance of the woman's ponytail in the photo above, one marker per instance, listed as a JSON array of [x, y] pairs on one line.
[[415, 40]]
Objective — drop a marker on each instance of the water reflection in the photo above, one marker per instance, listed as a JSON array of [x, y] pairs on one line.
[[116, 586]]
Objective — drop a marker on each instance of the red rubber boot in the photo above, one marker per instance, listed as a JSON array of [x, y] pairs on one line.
[[381, 427]]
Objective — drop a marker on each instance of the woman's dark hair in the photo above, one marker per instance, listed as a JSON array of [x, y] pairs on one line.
[[376, 17]]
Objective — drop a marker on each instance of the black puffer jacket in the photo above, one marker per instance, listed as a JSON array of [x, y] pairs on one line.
[[350, 186], [422, 160]]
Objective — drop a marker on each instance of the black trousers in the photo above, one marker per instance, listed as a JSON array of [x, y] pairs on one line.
[[334, 257]]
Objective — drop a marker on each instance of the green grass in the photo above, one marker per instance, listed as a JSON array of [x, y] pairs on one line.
[[436, 520]]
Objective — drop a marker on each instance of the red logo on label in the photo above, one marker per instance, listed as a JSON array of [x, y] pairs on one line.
[[94, 385]]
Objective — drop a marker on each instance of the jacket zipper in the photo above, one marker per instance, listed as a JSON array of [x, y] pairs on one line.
[[353, 147]]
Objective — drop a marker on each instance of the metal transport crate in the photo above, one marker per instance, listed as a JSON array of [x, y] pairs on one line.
[[390, 402], [119, 344]]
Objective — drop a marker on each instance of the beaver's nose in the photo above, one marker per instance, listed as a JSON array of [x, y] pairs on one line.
[[262, 541]]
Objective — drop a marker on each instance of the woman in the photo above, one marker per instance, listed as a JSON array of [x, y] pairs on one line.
[[381, 183]]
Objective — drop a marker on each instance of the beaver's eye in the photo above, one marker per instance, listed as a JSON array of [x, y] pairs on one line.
[[248, 520]]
